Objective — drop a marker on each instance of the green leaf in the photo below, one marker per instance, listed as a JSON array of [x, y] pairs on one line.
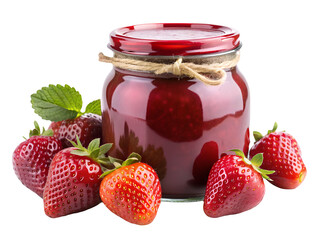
[[94, 107], [37, 132], [257, 160], [257, 135], [107, 172], [135, 155], [57, 102], [73, 143], [238, 152], [267, 171], [105, 148], [275, 126], [79, 144], [94, 144], [95, 153], [241, 154], [48, 132], [114, 160], [264, 173], [36, 126], [80, 152], [130, 161]]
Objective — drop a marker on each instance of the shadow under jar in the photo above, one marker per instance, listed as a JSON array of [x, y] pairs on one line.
[[178, 124]]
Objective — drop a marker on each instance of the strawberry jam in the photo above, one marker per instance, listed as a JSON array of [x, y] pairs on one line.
[[179, 125]]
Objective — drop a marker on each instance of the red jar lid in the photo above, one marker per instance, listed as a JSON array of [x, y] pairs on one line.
[[174, 39]]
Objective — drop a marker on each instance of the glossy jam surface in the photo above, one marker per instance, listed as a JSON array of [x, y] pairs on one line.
[[179, 126]]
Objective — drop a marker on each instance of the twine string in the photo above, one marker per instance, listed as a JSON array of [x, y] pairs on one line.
[[212, 74]]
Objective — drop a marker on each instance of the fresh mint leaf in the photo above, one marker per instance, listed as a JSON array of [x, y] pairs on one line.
[[57, 102], [94, 107]]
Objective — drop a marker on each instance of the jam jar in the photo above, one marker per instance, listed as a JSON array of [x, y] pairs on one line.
[[178, 124]]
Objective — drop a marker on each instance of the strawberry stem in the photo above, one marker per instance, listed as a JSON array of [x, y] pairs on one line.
[[257, 135], [275, 126], [94, 151], [118, 163], [37, 132], [255, 162]]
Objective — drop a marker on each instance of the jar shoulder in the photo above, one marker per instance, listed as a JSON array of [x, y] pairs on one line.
[[134, 92]]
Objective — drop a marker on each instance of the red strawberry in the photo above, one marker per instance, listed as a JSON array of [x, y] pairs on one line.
[[32, 158], [62, 106], [281, 153], [74, 179], [132, 192], [234, 185], [87, 127]]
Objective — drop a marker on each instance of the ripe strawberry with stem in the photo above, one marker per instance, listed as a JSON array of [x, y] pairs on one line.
[[131, 190], [74, 179], [234, 185], [32, 158], [281, 153], [62, 105]]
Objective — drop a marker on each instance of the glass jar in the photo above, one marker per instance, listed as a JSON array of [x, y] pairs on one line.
[[179, 125]]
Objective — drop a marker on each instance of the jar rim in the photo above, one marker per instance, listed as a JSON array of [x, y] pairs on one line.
[[174, 39], [173, 57]]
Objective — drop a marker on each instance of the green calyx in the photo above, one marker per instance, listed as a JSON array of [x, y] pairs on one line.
[[37, 132], [258, 135], [255, 162], [98, 154], [118, 163], [57, 103], [94, 151]]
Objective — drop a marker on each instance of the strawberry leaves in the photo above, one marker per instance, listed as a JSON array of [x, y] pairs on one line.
[[37, 131], [118, 163], [57, 103], [98, 154], [94, 107], [94, 151], [255, 162], [257, 135]]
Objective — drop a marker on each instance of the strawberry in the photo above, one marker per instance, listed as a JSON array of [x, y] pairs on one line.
[[132, 191], [281, 153], [87, 127], [74, 179], [32, 158], [62, 106], [234, 185]]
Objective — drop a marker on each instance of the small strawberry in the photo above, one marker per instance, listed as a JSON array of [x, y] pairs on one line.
[[87, 127], [234, 185], [32, 158], [74, 179], [62, 106], [132, 190], [281, 153]]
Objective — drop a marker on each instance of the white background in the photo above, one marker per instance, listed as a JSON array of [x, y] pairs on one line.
[[51, 42]]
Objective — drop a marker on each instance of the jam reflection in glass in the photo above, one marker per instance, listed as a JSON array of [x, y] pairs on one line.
[[179, 126]]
